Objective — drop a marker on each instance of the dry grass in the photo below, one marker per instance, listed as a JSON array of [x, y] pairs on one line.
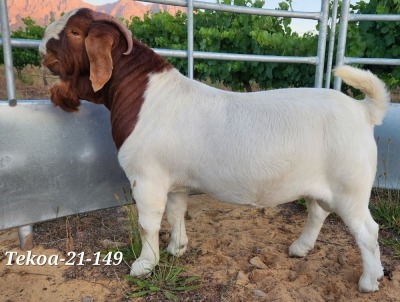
[[29, 85]]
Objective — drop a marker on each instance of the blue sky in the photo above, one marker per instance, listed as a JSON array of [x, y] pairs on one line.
[[298, 25]]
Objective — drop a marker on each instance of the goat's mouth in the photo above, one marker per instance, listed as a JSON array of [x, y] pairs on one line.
[[53, 66]]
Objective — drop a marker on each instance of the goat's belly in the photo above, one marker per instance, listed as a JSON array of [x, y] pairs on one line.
[[263, 194]]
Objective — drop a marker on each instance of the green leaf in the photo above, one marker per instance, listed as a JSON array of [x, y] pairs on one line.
[[139, 294], [170, 296]]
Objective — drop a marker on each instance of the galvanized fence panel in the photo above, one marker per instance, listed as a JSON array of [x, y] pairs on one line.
[[345, 18], [318, 60]]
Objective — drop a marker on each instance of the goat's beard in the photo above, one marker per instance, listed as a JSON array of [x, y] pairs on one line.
[[62, 94]]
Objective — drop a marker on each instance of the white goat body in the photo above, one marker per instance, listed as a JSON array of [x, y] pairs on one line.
[[263, 149]]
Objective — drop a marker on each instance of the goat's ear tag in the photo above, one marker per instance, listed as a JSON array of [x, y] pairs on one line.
[[98, 48]]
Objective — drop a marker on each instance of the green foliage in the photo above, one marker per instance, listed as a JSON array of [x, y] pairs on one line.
[[233, 33], [386, 211], [376, 39], [167, 278], [162, 30], [250, 34], [23, 57], [128, 204]]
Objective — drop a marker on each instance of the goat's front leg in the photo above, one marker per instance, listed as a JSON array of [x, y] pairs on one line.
[[176, 210], [151, 205], [306, 241]]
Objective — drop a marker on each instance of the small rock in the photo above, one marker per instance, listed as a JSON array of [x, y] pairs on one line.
[[241, 278], [258, 275], [259, 293], [87, 299], [341, 259], [292, 276], [272, 261], [257, 262], [107, 244]]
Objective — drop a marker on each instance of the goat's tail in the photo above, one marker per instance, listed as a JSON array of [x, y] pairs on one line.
[[377, 97]]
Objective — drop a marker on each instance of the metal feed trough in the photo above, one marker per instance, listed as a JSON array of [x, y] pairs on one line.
[[54, 163]]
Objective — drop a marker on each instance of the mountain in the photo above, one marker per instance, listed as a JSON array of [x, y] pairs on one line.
[[42, 11]]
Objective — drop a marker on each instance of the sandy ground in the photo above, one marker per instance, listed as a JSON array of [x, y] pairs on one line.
[[239, 252]]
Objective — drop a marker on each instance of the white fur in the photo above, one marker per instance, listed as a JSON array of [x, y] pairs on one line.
[[54, 29], [261, 149]]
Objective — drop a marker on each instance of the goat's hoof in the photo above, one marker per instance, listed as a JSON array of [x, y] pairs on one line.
[[297, 249], [175, 250], [141, 268], [368, 284]]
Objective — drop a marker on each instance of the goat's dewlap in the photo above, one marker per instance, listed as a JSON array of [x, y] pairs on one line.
[[54, 29]]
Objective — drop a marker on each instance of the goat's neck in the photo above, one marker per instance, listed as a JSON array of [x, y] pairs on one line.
[[127, 87]]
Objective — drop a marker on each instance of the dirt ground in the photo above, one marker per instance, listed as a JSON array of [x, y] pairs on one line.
[[223, 240]]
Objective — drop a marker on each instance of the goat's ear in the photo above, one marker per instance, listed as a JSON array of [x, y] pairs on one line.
[[98, 47]]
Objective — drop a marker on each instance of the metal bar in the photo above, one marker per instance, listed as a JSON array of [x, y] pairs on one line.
[[23, 43], [25, 235], [7, 52], [235, 57], [371, 61], [319, 69], [331, 45], [30, 102], [253, 58], [190, 38], [368, 17], [242, 9], [340, 52]]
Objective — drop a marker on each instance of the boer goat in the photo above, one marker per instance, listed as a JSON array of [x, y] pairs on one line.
[[266, 148]]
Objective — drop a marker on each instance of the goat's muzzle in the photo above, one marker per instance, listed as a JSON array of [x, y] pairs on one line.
[[50, 63]]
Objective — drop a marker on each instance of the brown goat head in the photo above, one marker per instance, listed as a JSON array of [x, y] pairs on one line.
[[78, 47]]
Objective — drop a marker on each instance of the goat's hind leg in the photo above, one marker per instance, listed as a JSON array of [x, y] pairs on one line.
[[308, 237], [176, 210], [365, 231]]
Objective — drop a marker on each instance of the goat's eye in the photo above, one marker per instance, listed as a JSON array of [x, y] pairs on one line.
[[75, 33]]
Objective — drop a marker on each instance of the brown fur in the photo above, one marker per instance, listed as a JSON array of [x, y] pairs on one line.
[[123, 93]]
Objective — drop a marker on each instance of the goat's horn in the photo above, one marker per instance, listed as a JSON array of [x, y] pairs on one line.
[[97, 16]]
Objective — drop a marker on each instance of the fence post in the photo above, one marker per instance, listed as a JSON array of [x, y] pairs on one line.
[[190, 38], [319, 72], [7, 52], [341, 47], [331, 45]]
